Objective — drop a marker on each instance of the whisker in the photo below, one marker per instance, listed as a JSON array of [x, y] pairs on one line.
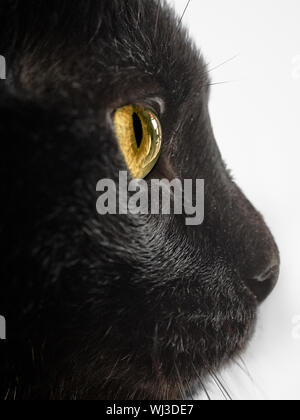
[[184, 12], [7, 395], [180, 383], [201, 382], [219, 83], [243, 368], [107, 379], [157, 18], [190, 391], [221, 387], [15, 394], [246, 371], [97, 30], [223, 63]]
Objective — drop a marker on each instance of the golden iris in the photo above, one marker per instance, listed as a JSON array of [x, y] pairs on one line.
[[140, 137]]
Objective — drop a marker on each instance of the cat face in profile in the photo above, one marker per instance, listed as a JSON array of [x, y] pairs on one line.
[[127, 306]]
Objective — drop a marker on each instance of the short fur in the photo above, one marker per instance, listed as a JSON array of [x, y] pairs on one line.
[[126, 307]]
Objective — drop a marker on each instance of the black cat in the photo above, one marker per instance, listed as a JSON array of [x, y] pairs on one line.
[[115, 307]]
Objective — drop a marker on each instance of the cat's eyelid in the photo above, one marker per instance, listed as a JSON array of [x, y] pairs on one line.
[[159, 102]]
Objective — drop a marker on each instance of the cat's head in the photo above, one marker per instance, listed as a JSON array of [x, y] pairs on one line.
[[115, 306]]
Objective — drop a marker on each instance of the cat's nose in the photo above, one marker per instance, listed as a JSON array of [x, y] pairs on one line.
[[263, 283]]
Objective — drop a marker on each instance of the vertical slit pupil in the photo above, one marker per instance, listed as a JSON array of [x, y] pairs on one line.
[[138, 129]]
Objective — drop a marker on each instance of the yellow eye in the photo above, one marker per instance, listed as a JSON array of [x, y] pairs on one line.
[[140, 137]]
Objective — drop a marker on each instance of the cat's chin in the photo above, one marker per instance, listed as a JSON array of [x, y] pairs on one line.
[[192, 372], [181, 364]]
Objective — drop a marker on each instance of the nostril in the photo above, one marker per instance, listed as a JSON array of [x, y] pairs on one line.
[[264, 284]]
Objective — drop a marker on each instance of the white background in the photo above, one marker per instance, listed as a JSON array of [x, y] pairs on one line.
[[256, 118]]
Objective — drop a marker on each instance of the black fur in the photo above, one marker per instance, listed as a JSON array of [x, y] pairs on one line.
[[114, 307]]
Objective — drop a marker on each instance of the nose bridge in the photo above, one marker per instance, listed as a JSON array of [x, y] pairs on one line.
[[248, 243], [252, 238]]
